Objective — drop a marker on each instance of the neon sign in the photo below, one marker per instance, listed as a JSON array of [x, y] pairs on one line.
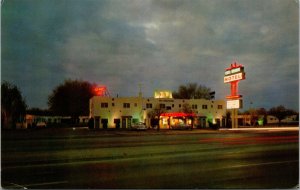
[[234, 77], [177, 114], [234, 70], [163, 94], [100, 90]]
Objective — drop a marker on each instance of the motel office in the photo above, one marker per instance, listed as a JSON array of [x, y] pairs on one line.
[[122, 112]]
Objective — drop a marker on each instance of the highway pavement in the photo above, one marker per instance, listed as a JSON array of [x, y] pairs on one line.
[[78, 158]]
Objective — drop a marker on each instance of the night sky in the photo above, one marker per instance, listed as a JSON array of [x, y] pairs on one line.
[[158, 43]]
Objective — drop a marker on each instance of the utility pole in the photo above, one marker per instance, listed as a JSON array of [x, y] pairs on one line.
[[140, 90]]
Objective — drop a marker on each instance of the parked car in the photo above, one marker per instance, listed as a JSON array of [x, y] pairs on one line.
[[41, 124], [181, 126], [139, 126]]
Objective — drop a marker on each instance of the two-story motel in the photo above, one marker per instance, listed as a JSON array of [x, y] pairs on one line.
[[121, 112]]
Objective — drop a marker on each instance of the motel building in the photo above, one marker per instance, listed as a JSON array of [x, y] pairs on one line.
[[162, 110]]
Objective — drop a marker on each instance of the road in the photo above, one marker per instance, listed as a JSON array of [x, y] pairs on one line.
[[79, 158]]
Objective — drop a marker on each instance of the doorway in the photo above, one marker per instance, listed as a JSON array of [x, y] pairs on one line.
[[126, 122], [97, 122]]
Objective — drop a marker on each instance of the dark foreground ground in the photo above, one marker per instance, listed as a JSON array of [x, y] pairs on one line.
[[80, 158]]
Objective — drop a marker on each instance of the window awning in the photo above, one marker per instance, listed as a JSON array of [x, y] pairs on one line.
[[178, 114]]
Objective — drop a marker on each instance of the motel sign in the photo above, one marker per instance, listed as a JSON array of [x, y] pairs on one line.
[[233, 75]]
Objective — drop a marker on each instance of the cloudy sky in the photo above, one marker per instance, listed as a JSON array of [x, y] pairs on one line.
[[158, 43]]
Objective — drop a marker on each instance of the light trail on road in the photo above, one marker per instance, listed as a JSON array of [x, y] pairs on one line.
[[221, 159], [252, 140]]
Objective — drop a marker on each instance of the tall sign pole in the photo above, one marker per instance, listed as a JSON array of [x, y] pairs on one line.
[[233, 75]]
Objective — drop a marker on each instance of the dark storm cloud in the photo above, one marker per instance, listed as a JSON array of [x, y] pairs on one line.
[[161, 44]]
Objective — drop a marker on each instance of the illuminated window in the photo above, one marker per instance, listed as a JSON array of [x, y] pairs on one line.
[[220, 107], [104, 105], [204, 107], [148, 105], [126, 105]]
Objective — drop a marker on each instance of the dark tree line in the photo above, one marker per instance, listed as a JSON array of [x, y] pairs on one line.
[[192, 91], [71, 99], [280, 112], [13, 105]]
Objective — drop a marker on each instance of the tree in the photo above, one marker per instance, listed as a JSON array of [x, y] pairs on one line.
[[262, 113], [186, 108], [71, 98], [192, 90], [38, 111], [280, 112], [155, 115], [13, 106]]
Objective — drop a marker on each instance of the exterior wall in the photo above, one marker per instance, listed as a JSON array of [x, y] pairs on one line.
[[41, 118], [107, 108], [244, 120], [289, 119], [247, 120], [138, 109], [33, 119]]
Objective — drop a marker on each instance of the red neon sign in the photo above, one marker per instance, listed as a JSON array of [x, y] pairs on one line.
[[233, 75], [178, 114], [234, 65], [100, 90]]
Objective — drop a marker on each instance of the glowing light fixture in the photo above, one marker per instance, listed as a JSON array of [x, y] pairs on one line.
[[178, 114], [100, 90]]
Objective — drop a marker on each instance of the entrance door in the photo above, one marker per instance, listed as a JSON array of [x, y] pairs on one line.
[[218, 122], [202, 122], [117, 122], [97, 122], [126, 122], [104, 123]]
